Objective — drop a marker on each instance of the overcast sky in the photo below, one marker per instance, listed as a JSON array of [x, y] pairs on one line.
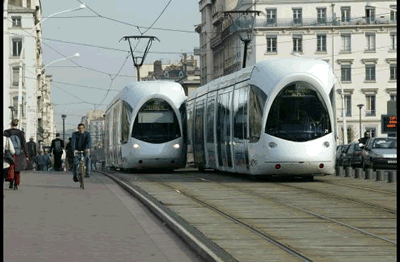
[[80, 31]]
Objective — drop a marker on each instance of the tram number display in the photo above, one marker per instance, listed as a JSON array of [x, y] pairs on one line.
[[389, 124]]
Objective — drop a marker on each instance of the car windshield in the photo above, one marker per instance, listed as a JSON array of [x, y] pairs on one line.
[[385, 143], [357, 147]]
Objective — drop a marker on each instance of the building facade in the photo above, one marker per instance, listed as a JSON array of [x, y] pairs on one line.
[[357, 38], [23, 79], [94, 122]]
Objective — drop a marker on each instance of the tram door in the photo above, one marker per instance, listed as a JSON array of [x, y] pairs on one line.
[[240, 127], [198, 136], [210, 146], [224, 131]]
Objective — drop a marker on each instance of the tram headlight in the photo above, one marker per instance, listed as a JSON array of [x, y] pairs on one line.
[[176, 146], [136, 146], [326, 144]]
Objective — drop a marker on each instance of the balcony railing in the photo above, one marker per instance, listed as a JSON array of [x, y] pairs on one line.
[[276, 22]]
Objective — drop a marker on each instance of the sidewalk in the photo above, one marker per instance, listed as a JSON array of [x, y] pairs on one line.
[[50, 219]]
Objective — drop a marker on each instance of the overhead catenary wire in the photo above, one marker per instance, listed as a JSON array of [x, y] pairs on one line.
[[155, 21]]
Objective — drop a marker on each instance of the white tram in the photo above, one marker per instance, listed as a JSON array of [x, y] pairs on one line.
[[273, 118], [145, 127]]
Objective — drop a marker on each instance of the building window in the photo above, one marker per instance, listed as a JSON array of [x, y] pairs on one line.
[[16, 46], [271, 44], [393, 97], [370, 105], [347, 103], [321, 15], [321, 43], [15, 76], [370, 41], [16, 21], [393, 40], [297, 43], [346, 73], [370, 72], [371, 131], [297, 16], [345, 11], [271, 16], [346, 42], [370, 14], [393, 13], [393, 74]]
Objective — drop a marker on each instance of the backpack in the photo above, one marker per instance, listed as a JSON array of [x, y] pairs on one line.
[[57, 147], [16, 143]]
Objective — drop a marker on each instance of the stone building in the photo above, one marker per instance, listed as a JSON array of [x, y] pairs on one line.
[[358, 39], [26, 89]]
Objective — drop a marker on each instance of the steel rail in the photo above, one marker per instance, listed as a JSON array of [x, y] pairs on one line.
[[304, 210], [360, 187]]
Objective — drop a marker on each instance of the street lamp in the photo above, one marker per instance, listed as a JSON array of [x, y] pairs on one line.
[[360, 106], [63, 118]]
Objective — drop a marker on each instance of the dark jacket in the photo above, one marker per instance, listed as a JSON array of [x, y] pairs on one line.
[[80, 141], [31, 148], [70, 154], [52, 148], [20, 161]]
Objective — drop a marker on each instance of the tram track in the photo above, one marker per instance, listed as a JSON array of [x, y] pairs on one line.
[[291, 249], [361, 188], [265, 236], [313, 213]]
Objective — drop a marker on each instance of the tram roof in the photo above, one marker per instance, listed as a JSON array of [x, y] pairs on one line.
[[274, 69], [135, 91]]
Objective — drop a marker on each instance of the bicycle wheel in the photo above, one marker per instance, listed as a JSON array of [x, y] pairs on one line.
[[81, 174]]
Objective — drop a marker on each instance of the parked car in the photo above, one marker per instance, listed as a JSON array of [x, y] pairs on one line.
[[340, 154], [380, 152], [353, 155]]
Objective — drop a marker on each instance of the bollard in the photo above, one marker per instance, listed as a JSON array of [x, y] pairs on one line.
[[369, 173], [394, 177], [339, 171], [348, 171], [358, 173], [379, 175], [388, 177], [364, 174]]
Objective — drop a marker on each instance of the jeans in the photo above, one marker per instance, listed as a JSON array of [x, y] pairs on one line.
[[76, 164]]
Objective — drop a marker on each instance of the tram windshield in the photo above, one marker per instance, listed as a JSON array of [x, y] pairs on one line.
[[156, 122], [298, 113]]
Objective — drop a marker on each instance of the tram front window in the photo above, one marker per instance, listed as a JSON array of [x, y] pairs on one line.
[[156, 122], [298, 113]]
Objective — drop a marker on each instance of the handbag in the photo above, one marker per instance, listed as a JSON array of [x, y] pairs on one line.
[[8, 157], [10, 172]]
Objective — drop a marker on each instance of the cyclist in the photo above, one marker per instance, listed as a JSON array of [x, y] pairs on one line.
[[81, 141]]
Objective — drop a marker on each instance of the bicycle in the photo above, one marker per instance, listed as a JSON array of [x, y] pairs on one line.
[[81, 169]]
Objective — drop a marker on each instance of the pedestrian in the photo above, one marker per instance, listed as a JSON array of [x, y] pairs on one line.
[[17, 137], [7, 146], [31, 149], [365, 138], [39, 162], [70, 154], [81, 141], [46, 161], [63, 156], [57, 146]]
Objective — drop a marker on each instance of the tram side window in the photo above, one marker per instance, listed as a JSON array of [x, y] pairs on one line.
[[240, 111], [189, 123], [115, 126], [107, 132], [256, 109], [210, 120], [126, 115]]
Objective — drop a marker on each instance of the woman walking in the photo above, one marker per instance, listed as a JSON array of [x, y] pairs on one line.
[[7, 146], [17, 138]]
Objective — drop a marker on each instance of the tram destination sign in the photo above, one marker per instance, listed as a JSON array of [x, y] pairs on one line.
[[389, 124]]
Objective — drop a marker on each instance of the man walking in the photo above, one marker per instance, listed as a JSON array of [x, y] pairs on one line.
[[81, 141], [17, 137], [31, 149], [57, 146]]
